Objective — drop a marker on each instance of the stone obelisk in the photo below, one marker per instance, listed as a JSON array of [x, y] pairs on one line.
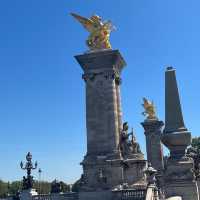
[[179, 177]]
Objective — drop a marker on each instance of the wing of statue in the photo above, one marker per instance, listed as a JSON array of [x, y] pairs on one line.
[[87, 23]]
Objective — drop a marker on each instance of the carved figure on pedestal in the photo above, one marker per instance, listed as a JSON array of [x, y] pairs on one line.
[[135, 146], [82, 179], [126, 145]]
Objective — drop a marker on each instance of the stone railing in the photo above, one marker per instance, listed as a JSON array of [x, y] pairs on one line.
[[129, 194], [59, 196], [70, 196], [42, 197], [8, 198]]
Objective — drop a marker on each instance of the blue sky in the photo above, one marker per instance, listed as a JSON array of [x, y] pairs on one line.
[[42, 97]]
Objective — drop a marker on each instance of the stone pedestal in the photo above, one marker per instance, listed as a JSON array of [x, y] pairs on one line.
[[101, 174], [179, 179], [102, 164], [28, 194], [153, 132], [133, 172]]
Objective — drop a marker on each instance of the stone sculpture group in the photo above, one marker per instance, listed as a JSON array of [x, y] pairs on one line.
[[114, 155], [114, 168]]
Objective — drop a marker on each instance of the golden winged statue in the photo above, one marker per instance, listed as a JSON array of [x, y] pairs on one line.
[[149, 109], [99, 31]]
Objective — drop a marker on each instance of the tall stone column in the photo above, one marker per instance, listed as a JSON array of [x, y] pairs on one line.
[[153, 131], [103, 108], [102, 162], [179, 175]]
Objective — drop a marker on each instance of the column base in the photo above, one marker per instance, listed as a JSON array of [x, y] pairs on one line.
[[134, 171], [101, 173], [179, 179]]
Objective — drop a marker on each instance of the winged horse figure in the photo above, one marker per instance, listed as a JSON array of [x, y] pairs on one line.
[[149, 109], [99, 31]]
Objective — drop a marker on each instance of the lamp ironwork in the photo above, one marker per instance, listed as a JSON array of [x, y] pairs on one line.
[[29, 166]]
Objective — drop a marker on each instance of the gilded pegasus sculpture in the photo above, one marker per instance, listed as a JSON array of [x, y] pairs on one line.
[[149, 109], [99, 31]]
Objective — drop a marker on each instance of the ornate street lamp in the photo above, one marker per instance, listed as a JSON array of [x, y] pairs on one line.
[[39, 181], [29, 166]]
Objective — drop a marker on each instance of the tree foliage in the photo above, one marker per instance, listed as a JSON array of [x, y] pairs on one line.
[[3, 189], [196, 143], [42, 187]]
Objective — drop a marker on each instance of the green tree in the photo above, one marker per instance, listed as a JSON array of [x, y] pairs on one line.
[[3, 189], [14, 187], [65, 187], [196, 143], [76, 186], [42, 187]]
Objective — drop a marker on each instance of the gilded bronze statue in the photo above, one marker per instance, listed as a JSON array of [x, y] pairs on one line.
[[149, 109], [99, 31]]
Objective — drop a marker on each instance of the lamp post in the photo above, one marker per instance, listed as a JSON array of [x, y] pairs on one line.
[[29, 166], [39, 172]]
